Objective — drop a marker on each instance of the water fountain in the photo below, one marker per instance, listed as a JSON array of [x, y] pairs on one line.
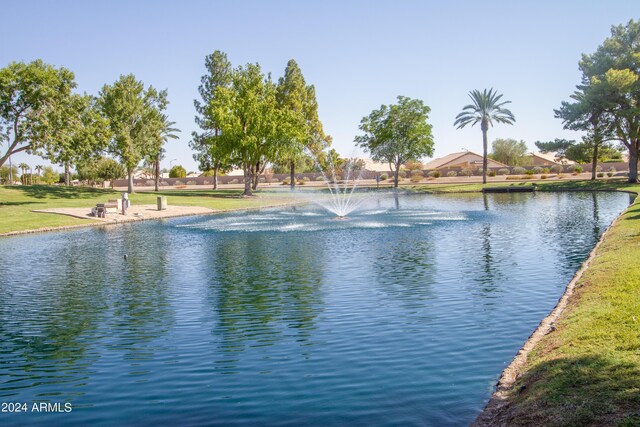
[[341, 200]]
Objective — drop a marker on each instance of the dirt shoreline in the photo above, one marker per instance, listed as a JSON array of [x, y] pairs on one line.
[[498, 401]]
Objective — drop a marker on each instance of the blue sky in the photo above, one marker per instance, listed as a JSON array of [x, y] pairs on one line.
[[358, 54]]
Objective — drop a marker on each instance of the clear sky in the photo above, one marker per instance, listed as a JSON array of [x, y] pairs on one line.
[[358, 54]]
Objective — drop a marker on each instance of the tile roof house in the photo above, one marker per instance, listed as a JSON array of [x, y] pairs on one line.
[[547, 159], [462, 159]]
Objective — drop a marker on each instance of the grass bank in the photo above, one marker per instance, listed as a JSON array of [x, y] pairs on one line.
[[18, 202]]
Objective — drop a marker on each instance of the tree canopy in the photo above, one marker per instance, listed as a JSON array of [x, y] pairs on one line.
[[397, 133], [30, 96], [509, 151]]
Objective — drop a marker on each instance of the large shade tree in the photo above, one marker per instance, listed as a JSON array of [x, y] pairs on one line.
[[397, 133], [610, 80], [134, 115], [306, 132], [486, 108], [29, 94], [210, 152]]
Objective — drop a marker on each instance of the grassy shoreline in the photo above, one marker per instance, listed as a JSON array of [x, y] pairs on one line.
[[584, 371]]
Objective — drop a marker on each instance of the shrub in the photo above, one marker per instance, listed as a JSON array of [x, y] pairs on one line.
[[434, 174], [234, 181], [513, 177], [384, 176], [206, 182], [529, 172], [177, 172], [417, 172], [192, 183], [413, 165], [492, 173], [262, 179], [543, 176], [466, 172], [452, 173], [402, 174], [479, 171], [286, 181], [503, 171], [150, 182], [178, 182], [598, 168], [518, 170], [545, 170], [163, 183], [576, 169], [320, 178], [557, 168], [611, 171], [526, 176], [537, 170], [302, 182], [416, 177], [600, 174]]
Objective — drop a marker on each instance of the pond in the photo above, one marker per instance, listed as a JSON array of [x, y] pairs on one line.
[[403, 314]]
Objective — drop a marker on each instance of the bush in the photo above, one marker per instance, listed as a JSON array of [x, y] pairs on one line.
[[206, 182], [598, 168], [163, 183], [177, 172], [557, 168], [435, 174], [611, 171], [529, 172], [305, 178], [503, 171], [149, 182], [466, 172], [402, 174], [575, 169], [513, 177], [600, 174], [452, 173], [518, 170], [178, 182], [286, 181], [492, 173], [262, 179], [192, 182], [412, 165], [416, 177], [417, 172], [545, 170], [319, 178], [544, 176], [234, 181], [537, 170], [302, 182], [526, 176], [479, 171], [384, 176]]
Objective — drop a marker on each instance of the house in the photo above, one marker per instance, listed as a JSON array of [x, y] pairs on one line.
[[374, 166], [547, 159], [462, 159]]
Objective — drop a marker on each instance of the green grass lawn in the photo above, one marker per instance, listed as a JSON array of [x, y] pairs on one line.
[[18, 202]]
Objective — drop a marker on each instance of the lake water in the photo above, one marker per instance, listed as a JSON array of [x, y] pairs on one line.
[[405, 314]]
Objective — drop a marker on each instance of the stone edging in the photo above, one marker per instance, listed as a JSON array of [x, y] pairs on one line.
[[513, 371]]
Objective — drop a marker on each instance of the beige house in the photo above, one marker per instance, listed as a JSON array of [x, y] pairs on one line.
[[547, 159], [463, 159]]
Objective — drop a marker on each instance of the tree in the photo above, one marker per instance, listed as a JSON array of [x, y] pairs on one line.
[[50, 176], [486, 109], [23, 175], [29, 95], [39, 171], [134, 116], [294, 95], [397, 133], [6, 173], [177, 172], [611, 88], [82, 133], [509, 151], [249, 121], [210, 153], [165, 133]]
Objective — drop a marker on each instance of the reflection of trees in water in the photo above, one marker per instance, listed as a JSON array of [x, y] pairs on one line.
[[139, 290], [264, 287]]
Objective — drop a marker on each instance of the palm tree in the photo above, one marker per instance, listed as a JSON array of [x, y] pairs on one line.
[[39, 170], [486, 109], [166, 132], [23, 167]]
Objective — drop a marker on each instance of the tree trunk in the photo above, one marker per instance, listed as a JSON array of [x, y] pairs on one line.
[[215, 175], [594, 160], [157, 173], [256, 176], [484, 155], [633, 162], [293, 176], [130, 181], [247, 180], [67, 173], [396, 174]]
